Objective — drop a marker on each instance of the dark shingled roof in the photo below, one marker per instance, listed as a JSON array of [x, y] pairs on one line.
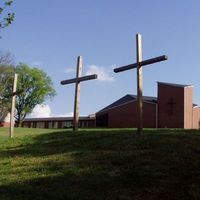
[[194, 105], [127, 98], [174, 84]]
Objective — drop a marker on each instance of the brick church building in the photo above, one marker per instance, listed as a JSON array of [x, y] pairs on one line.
[[172, 108]]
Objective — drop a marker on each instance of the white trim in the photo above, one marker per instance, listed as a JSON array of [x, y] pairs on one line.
[[196, 106], [56, 119], [175, 84]]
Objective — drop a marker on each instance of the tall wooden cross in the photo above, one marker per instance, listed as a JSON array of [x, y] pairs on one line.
[[139, 65], [77, 81], [12, 117]]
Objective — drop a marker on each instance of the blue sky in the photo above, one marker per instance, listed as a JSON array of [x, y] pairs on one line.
[[51, 34]]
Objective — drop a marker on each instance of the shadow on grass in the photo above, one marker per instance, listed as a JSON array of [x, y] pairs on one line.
[[162, 164], [66, 142], [98, 187], [102, 140]]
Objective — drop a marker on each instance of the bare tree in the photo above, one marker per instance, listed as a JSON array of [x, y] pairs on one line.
[[6, 80], [7, 58]]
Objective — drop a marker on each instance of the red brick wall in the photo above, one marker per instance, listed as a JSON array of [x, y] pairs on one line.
[[188, 108], [4, 124], [196, 117], [170, 117], [125, 116]]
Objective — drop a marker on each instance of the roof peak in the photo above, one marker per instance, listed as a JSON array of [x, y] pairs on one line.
[[128, 98], [174, 84], [135, 96]]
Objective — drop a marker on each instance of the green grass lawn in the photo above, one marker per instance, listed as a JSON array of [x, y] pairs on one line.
[[47, 164]]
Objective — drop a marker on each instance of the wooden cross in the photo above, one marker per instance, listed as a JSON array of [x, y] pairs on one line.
[[77, 81], [12, 118], [139, 65], [171, 103]]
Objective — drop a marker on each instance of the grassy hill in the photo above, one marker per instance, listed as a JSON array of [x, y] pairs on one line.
[[116, 164]]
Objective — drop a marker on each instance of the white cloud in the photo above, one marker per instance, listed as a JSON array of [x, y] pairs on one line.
[[103, 74], [44, 110], [69, 70], [41, 111]]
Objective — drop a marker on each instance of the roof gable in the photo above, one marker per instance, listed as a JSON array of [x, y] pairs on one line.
[[128, 98], [174, 84]]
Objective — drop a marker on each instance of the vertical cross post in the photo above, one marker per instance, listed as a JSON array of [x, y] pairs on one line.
[[12, 117], [77, 82], [77, 93], [139, 83], [138, 65]]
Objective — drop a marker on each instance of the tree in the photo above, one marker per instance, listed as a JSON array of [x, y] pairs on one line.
[[6, 58], [6, 82], [5, 18], [34, 87]]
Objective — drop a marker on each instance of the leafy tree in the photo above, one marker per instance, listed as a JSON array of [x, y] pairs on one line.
[[34, 87], [6, 18]]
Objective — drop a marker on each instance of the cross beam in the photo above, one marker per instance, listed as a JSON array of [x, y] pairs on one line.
[[77, 82], [139, 65], [143, 63], [81, 79]]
